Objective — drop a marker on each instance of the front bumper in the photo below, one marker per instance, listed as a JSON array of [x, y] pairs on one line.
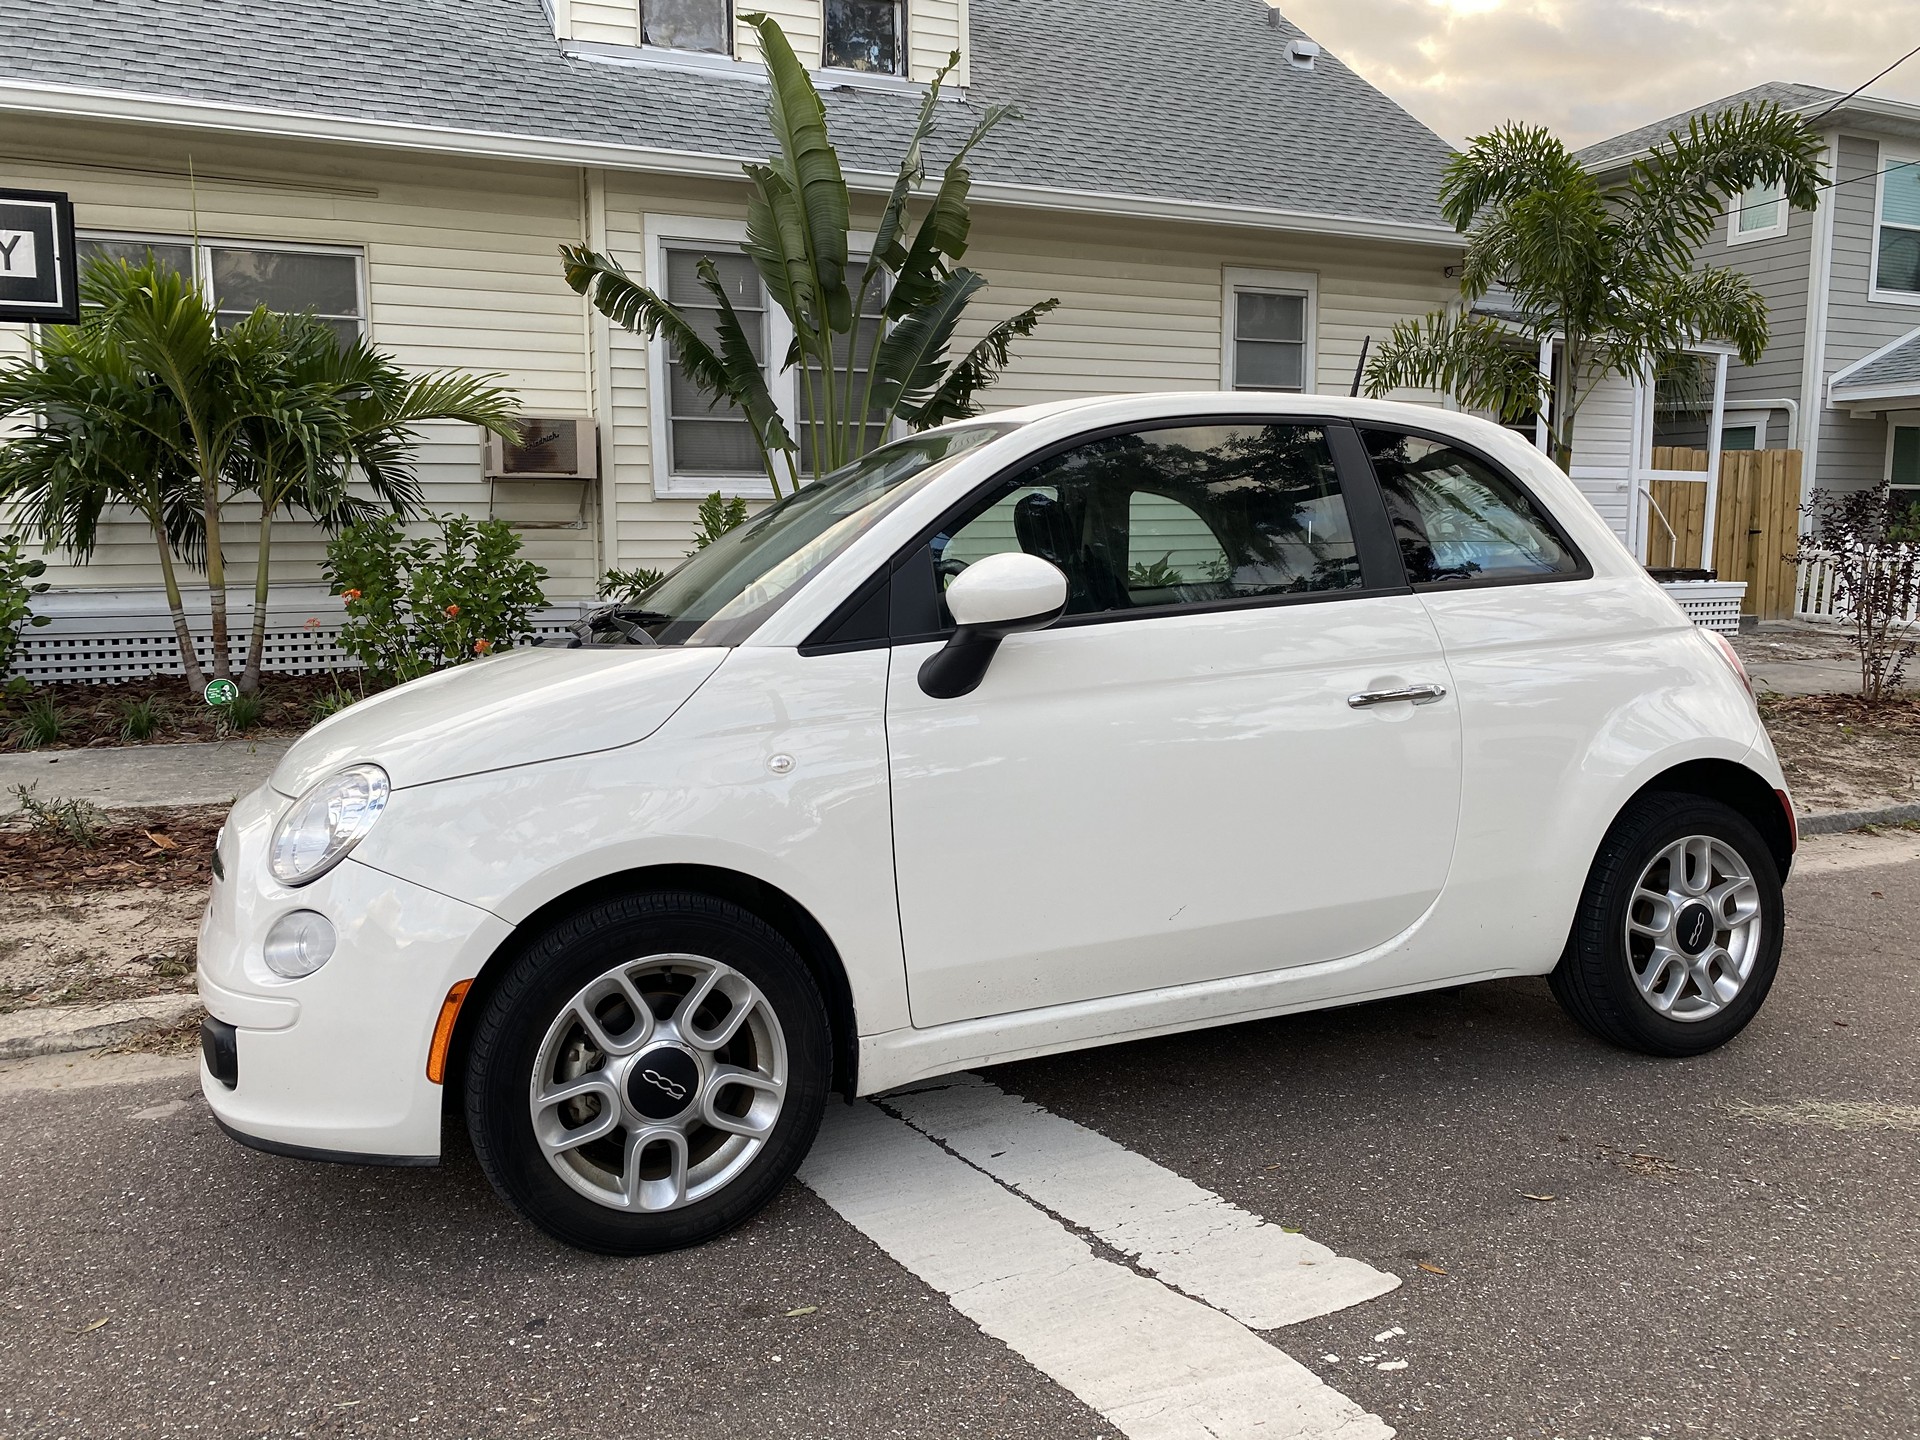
[[333, 1065]]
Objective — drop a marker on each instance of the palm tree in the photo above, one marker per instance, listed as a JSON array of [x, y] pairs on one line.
[[1604, 267], [859, 378], [346, 413], [104, 435]]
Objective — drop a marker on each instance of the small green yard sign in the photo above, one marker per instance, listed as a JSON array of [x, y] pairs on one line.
[[221, 692]]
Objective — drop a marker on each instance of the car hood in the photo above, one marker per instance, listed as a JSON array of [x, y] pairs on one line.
[[515, 709]]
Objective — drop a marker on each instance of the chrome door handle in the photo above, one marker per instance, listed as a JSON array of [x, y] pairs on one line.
[[1412, 695]]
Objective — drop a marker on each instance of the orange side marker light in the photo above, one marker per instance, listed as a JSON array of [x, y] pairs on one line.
[[443, 1032]]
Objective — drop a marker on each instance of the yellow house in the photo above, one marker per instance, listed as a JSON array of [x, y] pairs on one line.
[[1216, 202]]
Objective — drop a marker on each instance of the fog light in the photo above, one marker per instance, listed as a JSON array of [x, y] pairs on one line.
[[298, 944]]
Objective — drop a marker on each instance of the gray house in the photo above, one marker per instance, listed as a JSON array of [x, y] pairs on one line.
[[1841, 380]]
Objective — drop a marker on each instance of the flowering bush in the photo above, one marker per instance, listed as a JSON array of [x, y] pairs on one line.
[[416, 604]]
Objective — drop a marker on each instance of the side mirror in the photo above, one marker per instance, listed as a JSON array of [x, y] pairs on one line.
[[991, 599]]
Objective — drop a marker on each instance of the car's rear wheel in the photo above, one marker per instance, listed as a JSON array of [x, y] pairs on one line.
[[1677, 939], [648, 1074]]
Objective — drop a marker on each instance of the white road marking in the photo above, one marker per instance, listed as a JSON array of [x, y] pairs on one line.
[[1260, 1274], [1156, 1364]]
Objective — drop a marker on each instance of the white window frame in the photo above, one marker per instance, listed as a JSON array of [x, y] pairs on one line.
[[1898, 420], [1782, 213], [836, 75], [205, 245], [1888, 161], [683, 232], [1234, 282]]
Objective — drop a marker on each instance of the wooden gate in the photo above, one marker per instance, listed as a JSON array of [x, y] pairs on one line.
[[1758, 524]]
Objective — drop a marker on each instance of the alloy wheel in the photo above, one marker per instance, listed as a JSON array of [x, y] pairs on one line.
[[1693, 929]]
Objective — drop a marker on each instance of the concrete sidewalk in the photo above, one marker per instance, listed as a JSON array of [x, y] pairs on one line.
[[138, 776], [1797, 657]]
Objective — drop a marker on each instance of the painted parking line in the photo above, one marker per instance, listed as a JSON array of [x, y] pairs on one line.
[[1157, 1364], [1258, 1273]]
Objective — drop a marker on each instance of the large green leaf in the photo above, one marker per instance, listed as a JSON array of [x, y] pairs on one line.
[[945, 230], [977, 369]]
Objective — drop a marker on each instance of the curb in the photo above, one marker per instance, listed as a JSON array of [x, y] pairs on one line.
[[60, 1029], [1838, 822]]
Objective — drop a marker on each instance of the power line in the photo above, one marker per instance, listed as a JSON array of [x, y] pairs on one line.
[[1858, 88]]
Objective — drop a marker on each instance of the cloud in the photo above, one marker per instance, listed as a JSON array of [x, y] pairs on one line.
[[1589, 69]]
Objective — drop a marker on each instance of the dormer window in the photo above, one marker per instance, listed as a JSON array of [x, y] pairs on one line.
[[702, 25], [867, 35]]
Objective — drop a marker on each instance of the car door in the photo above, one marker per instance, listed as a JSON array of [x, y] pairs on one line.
[[1191, 775]]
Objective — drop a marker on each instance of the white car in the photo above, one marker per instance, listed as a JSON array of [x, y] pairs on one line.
[[1065, 726]]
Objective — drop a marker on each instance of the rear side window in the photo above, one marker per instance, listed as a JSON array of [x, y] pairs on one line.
[[1200, 515], [1460, 521]]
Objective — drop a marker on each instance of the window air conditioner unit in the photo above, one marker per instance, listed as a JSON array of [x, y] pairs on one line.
[[549, 447]]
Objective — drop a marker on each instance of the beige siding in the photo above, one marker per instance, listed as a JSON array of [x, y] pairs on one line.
[[462, 271], [935, 29], [606, 22], [801, 20]]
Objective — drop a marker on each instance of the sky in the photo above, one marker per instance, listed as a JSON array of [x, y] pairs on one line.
[[1590, 69]]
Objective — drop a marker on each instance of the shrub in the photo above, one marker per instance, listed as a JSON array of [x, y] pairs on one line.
[[1876, 581], [139, 718], [331, 703], [77, 821], [18, 575], [41, 725], [625, 587], [241, 713], [424, 603]]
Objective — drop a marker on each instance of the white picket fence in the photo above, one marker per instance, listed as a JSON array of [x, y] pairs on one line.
[[1819, 597]]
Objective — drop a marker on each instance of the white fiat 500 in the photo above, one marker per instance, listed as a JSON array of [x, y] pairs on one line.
[[1051, 729]]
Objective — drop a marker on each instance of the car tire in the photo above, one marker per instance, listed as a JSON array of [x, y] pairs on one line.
[[1644, 972], [562, 1022]]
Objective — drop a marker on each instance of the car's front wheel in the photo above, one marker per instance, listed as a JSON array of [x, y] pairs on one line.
[[1677, 938], [649, 1073]]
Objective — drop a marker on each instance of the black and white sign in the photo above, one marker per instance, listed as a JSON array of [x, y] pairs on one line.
[[36, 257]]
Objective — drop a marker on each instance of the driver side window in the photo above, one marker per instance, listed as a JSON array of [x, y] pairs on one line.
[[1153, 520]]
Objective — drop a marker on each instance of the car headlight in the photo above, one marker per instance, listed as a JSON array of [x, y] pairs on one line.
[[326, 823]]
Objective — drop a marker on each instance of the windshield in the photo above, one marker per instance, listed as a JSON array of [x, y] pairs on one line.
[[726, 591]]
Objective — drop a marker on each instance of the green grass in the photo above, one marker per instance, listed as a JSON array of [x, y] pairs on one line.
[[39, 726], [331, 703], [139, 719], [242, 713]]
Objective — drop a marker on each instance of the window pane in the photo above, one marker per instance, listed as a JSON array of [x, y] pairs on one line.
[[863, 35], [1760, 207], [1187, 516], [1899, 260], [1900, 197], [738, 278], [1269, 365], [286, 280], [1271, 317], [686, 25], [1740, 437], [1682, 412], [1906, 455], [714, 447], [171, 254], [1457, 518]]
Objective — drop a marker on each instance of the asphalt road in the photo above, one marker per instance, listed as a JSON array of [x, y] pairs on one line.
[[1732, 1248]]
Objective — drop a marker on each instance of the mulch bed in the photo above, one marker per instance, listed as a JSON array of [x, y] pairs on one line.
[[94, 715], [173, 850], [1841, 753]]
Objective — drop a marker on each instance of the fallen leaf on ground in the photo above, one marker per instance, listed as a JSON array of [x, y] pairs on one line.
[[165, 842], [803, 1310], [89, 1329], [1431, 1269], [1541, 1198]]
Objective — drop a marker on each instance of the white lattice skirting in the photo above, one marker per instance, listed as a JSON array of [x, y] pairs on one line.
[[127, 634], [1710, 604]]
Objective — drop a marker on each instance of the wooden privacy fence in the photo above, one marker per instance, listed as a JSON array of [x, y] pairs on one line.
[[1758, 524]]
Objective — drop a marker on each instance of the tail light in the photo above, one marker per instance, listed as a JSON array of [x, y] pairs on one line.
[[1732, 657]]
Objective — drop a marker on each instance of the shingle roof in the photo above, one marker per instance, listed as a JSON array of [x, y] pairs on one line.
[[1786, 94], [1899, 365], [1185, 101]]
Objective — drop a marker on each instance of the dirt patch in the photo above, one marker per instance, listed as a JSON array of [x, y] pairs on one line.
[[1840, 753], [96, 715], [91, 947], [1796, 642]]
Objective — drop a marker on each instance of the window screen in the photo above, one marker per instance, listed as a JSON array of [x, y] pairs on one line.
[[705, 25], [289, 281], [708, 438], [1458, 519], [1199, 515], [1899, 239], [172, 254], [865, 35], [1269, 341]]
